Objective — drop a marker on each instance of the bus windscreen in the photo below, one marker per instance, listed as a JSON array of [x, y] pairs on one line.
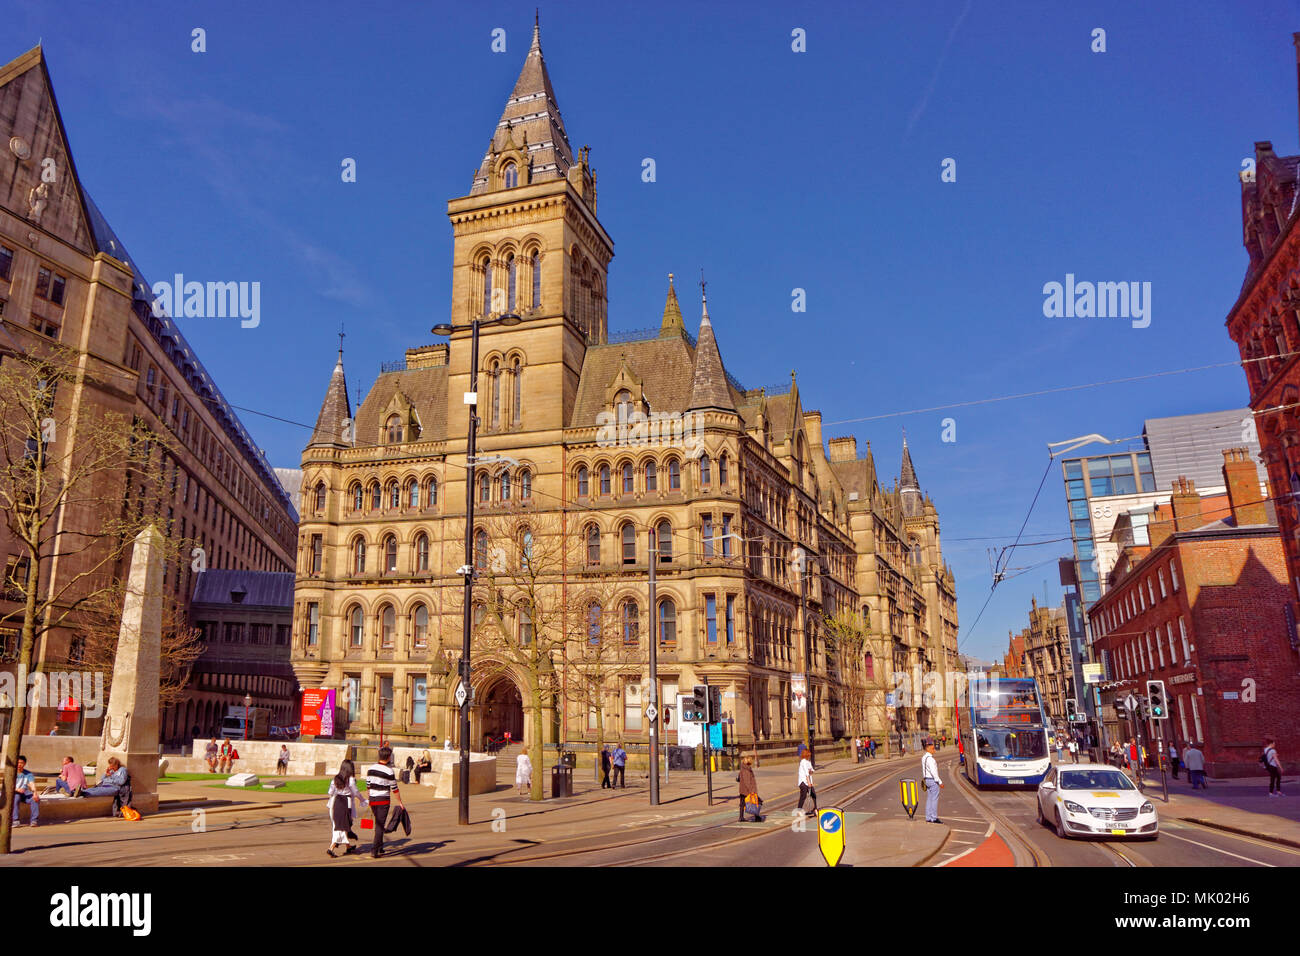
[[1008, 705]]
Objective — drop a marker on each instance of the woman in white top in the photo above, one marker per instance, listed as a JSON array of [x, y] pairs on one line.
[[806, 788], [343, 798], [523, 773]]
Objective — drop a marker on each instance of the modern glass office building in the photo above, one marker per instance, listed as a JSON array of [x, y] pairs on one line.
[[1097, 491]]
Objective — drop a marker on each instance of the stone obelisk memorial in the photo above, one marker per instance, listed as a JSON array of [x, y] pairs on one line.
[[131, 722]]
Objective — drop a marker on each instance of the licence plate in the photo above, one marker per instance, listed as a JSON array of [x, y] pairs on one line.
[[1119, 832], [1015, 781]]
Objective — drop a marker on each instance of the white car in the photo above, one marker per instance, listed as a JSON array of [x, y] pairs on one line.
[[1093, 799]]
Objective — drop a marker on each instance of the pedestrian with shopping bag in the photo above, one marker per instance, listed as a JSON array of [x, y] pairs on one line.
[[343, 799]]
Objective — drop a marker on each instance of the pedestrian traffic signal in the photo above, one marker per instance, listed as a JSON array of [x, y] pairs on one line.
[[715, 704], [695, 708], [1071, 710], [1156, 705]]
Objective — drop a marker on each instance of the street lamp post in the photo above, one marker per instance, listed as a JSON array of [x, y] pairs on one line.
[[248, 702], [471, 399], [654, 676]]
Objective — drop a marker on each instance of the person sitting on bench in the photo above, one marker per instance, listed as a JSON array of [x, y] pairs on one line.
[[110, 783]]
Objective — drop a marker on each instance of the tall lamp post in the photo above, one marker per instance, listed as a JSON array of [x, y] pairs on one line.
[[507, 319], [248, 702]]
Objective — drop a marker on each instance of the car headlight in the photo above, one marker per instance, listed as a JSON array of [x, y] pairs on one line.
[[1074, 807], [1148, 808]]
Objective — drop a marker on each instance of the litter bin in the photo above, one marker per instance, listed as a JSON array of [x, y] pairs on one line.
[[569, 759], [561, 781]]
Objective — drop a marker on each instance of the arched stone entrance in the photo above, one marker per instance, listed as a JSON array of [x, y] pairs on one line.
[[501, 710]]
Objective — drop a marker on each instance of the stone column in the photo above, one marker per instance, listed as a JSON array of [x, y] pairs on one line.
[[131, 721]]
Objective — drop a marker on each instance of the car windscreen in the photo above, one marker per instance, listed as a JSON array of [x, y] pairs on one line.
[[1094, 780], [1005, 743]]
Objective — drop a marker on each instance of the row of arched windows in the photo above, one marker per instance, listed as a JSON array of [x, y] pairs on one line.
[[389, 555], [606, 480], [508, 282], [505, 487], [384, 623], [505, 383], [409, 496], [626, 543]]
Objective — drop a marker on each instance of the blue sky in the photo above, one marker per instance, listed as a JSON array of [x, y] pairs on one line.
[[775, 170]]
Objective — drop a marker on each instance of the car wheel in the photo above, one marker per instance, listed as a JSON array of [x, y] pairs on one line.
[[1038, 806], [1060, 827]]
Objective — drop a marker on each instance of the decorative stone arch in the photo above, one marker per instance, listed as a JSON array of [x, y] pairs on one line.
[[496, 682]]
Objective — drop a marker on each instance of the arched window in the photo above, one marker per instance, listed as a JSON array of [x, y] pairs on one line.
[[664, 541], [422, 552], [387, 626], [525, 626], [510, 281], [359, 556], [593, 544], [517, 407], [486, 266], [525, 485], [376, 496], [604, 479], [674, 475], [420, 625], [651, 476], [480, 549], [413, 493], [509, 176], [394, 429], [582, 481], [706, 472], [623, 405], [390, 554], [667, 622], [525, 548], [631, 622], [627, 477], [358, 497], [356, 627], [722, 468], [394, 495], [320, 496], [594, 614], [505, 486], [628, 535], [484, 488], [495, 374], [430, 492]]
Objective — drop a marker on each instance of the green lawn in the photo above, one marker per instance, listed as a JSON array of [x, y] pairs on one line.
[[291, 784]]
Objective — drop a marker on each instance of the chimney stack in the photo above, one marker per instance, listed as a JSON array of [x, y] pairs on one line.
[[844, 449], [1186, 505], [1242, 480]]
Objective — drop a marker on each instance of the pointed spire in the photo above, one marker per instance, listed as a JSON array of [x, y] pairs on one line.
[[908, 488], [531, 116], [673, 322], [335, 411], [709, 387]]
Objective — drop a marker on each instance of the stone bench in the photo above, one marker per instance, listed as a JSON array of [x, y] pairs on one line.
[[68, 808]]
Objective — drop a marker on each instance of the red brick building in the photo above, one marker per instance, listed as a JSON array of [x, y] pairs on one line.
[[1197, 599], [1265, 325]]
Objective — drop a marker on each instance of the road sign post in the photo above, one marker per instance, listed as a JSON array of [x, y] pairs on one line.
[[830, 835], [907, 791]]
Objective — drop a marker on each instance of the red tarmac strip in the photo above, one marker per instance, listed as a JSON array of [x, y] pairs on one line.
[[992, 852]]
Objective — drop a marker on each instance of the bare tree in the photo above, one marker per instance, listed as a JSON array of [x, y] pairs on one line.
[[847, 633], [67, 472], [602, 650]]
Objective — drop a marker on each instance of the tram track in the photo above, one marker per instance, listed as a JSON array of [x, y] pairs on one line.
[[784, 802]]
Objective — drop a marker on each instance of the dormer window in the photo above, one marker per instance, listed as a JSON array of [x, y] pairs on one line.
[[394, 429], [623, 405], [509, 176]]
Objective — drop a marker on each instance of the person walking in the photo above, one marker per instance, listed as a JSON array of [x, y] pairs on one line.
[[523, 773], [1273, 764], [619, 760], [933, 784], [1060, 749], [748, 789], [1073, 746], [606, 761], [806, 788], [381, 788], [343, 798], [1194, 761], [871, 747], [1173, 759], [1135, 759]]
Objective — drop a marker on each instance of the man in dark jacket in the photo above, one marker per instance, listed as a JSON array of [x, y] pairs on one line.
[[747, 785], [604, 767]]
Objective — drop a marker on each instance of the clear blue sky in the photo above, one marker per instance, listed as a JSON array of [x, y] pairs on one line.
[[776, 170]]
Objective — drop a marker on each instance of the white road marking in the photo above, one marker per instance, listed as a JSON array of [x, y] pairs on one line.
[[1217, 850], [958, 856]]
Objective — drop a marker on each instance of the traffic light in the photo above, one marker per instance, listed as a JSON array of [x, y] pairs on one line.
[[1071, 710], [1119, 704], [694, 709], [1156, 705], [715, 704]]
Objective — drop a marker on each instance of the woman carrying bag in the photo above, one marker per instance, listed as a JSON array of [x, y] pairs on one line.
[[751, 804], [343, 797]]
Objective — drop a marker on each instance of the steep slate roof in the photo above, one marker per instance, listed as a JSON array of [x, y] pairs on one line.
[[673, 321], [907, 478], [334, 411], [709, 388], [664, 364], [427, 390], [262, 588], [532, 109], [857, 476]]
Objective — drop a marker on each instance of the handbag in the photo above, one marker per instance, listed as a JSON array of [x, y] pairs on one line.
[[130, 813], [367, 823]]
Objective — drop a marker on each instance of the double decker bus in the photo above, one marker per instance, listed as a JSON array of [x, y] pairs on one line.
[[1004, 736]]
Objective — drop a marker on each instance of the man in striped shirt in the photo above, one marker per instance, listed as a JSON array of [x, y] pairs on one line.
[[381, 788]]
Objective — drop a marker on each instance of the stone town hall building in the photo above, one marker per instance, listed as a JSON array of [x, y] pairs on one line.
[[377, 596]]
